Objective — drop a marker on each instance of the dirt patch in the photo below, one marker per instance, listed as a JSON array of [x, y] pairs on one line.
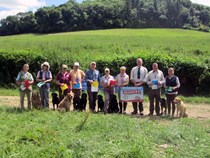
[[199, 111]]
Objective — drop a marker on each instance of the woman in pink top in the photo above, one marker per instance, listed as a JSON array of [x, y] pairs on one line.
[[62, 78]]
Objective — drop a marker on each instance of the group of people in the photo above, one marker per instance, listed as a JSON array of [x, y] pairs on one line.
[[71, 82]]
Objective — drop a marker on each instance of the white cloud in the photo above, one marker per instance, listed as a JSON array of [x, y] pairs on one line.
[[204, 2], [12, 7]]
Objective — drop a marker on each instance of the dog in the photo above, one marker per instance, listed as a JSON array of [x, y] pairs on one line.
[[163, 105], [65, 104], [180, 107], [100, 103], [83, 102], [113, 104], [55, 100], [35, 99]]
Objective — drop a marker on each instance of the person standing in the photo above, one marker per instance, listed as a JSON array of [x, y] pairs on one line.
[[108, 88], [77, 76], [63, 79], [25, 80], [92, 75], [44, 77], [171, 85], [122, 80], [138, 76], [155, 79]]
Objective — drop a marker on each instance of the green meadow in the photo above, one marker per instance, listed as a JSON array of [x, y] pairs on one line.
[[86, 46], [49, 133], [53, 134]]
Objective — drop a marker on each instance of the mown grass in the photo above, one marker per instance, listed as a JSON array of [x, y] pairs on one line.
[[52, 134]]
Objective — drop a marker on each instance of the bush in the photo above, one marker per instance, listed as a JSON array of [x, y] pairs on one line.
[[203, 28], [193, 74]]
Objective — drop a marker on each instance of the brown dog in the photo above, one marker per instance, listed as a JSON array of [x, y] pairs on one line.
[[65, 104], [36, 102], [181, 108]]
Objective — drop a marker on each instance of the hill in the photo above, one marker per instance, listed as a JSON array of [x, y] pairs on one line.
[[187, 51], [106, 14]]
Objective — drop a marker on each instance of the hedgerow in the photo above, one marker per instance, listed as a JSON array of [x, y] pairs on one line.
[[193, 73]]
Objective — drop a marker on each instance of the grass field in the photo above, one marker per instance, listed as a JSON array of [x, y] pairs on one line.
[[86, 46], [52, 134]]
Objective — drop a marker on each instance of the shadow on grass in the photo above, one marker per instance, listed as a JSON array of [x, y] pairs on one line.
[[18, 110], [154, 117]]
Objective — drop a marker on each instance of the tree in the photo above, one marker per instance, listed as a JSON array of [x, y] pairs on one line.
[[205, 16]]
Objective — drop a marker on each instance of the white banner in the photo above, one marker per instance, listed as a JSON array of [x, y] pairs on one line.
[[131, 94]]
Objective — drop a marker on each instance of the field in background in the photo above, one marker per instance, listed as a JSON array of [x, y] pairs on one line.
[[87, 46]]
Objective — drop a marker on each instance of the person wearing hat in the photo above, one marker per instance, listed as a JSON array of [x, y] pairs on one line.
[[122, 80], [108, 88], [92, 75], [63, 79], [77, 76], [44, 76], [25, 80]]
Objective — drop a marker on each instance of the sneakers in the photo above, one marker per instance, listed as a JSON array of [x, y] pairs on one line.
[[141, 113]]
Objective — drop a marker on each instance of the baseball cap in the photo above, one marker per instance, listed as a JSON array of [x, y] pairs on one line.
[[76, 64]]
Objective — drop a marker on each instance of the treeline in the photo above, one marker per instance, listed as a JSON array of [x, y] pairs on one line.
[[105, 14]]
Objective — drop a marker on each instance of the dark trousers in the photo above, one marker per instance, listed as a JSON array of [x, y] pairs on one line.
[[123, 106], [61, 96], [141, 108], [44, 95], [170, 100], [76, 100], [92, 97], [154, 95]]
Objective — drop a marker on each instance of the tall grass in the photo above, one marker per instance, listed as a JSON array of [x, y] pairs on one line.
[[87, 46]]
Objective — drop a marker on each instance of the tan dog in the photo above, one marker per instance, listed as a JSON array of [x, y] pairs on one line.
[[36, 102], [65, 104], [181, 108]]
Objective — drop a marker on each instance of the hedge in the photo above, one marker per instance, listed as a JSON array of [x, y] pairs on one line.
[[194, 75]]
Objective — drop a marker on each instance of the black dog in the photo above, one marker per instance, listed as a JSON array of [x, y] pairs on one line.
[[113, 104], [100, 103], [83, 102], [163, 105], [55, 100]]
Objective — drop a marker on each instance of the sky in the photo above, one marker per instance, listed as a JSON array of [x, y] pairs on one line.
[[12, 7]]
